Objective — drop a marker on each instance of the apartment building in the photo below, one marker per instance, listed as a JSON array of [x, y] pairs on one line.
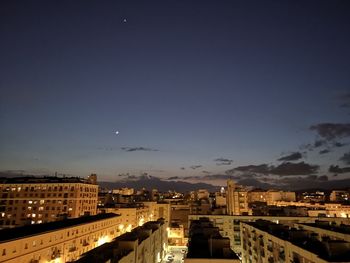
[[139, 213], [35, 200], [176, 235], [229, 226], [133, 216], [144, 244], [159, 210], [320, 210], [237, 199], [206, 245], [265, 241], [60, 241], [339, 196]]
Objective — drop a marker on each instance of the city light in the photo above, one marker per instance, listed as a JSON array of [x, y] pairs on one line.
[[102, 240]]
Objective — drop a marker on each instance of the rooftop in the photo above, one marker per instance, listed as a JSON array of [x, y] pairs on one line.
[[9, 234], [42, 180], [113, 250], [325, 248], [343, 229], [206, 242]]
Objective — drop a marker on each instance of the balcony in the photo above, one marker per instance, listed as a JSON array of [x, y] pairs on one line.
[[72, 249], [85, 243]]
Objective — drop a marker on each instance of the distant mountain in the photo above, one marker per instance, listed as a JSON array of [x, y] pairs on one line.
[[151, 182]]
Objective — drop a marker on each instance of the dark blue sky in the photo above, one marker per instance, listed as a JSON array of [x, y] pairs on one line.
[[184, 82]]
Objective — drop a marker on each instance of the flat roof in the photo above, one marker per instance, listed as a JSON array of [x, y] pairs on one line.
[[113, 249], [203, 241], [343, 229], [10, 234], [42, 180], [301, 239]]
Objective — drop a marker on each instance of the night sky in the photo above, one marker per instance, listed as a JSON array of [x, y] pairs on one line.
[[195, 89]]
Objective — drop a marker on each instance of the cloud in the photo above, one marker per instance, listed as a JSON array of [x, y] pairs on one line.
[[256, 183], [261, 168], [173, 178], [291, 157], [288, 168], [284, 169], [324, 151], [194, 167], [312, 146], [206, 172], [345, 158], [323, 178], [106, 148], [223, 161], [220, 177], [191, 177], [182, 168], [137, 149], [319, 143], [336, 169], [331, 131], [339, 144]]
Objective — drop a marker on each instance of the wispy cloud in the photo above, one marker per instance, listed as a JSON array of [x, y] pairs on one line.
[[324, 151], [138, 149], [332, 131], [338, 170], [223, 161], [194, 167], [284, 169], [291, 157]]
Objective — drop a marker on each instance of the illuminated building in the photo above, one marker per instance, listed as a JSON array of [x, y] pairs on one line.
[[237, 199], [124, 191], [229, 226], [137, 214], [147, 243], [59, 241], [202, 194], [33, 200], [265, 241], [176, 235], [339, 196]]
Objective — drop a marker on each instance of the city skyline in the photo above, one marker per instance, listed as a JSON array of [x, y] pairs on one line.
[[196, 92]]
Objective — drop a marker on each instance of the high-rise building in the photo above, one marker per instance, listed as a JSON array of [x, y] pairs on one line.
[[35, 200], [237, 199]]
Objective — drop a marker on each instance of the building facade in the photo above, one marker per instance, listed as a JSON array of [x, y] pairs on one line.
[[237, 199], [144, 244], [265, 241], [33, 200], [61, 241], [229, 226]]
